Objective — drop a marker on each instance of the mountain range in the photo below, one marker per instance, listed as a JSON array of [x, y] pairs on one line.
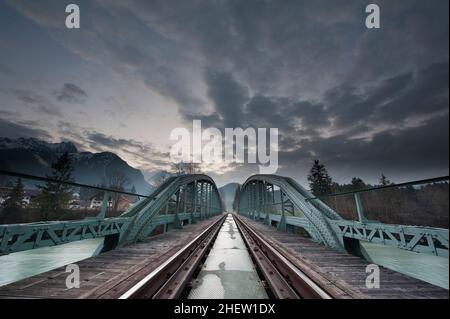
[[35, 157], [227, 193]]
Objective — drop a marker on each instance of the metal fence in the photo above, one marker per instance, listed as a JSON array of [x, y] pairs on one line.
[[422, 203], [27, 198]]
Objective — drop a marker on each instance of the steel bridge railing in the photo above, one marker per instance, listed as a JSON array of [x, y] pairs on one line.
[[179, 200], [378, 203], [280, 200]]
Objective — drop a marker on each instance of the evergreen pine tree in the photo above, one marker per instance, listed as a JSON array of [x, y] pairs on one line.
[[357, 184], [319, 180], [55, 195], [384, 181], [14, 201]]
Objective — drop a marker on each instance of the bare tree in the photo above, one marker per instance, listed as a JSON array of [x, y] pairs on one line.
[[117, 180], [185, 168]]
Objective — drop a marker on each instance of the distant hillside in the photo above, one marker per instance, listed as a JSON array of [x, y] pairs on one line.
[[227, 192], [33, 156]]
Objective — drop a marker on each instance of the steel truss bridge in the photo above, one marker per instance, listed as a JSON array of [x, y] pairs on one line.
[[256, 200], [189, 198]]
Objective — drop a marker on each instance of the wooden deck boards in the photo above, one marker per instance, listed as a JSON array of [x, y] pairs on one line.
[[110, 274], [345, 271]]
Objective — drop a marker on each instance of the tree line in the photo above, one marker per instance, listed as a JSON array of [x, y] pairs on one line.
[[426, 205], [54, 197]]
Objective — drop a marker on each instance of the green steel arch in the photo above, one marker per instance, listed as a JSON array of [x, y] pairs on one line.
[[256, 199], [258, 194], [193, 194], [186, 198]]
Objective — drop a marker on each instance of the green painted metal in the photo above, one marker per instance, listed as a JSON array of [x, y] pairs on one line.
[[178, 224], [429, 240], [326, 226], [282, 222], [135, 224], [201, 199], [142, 226], [20, 237], [320, 229], [104, 208], [359, 208]]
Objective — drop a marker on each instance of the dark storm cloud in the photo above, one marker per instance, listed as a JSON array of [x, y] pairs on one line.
[[18, 129], [42, 12], [147, 157], [424, 147], [39, 103], [266, 43], [143, 151], [143, 154], [428, 94], [365, 99], [29, 97], [404, 120], [6, 70], [228, 97], [393, 100], [71, 93], [99, 140], [413, 34], [6, 114]]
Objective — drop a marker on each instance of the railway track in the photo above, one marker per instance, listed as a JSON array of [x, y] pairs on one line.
[[172, 278], [285, 280]]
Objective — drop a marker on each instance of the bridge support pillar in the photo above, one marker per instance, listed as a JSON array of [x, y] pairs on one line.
[[202, 202], [177, 221], [194, 202], [359, 208], [267, 219], [177, 224], [208, 200], [282, 223], [272, 197], [104, 208]]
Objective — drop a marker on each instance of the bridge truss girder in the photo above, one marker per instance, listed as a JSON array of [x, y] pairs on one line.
[[179, 199], [323, 224]]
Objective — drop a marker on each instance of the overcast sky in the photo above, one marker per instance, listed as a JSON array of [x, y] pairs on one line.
[[363, 101]]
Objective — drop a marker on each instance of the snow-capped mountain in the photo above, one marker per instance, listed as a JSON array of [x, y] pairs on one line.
[[33, 156]]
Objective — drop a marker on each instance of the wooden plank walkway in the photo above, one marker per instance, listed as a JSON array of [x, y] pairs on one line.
[[345, 272], [110, 274]]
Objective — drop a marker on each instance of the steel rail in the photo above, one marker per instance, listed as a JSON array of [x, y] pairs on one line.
[[176, 284], [304, 286], [158, 283], [278, 285]]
